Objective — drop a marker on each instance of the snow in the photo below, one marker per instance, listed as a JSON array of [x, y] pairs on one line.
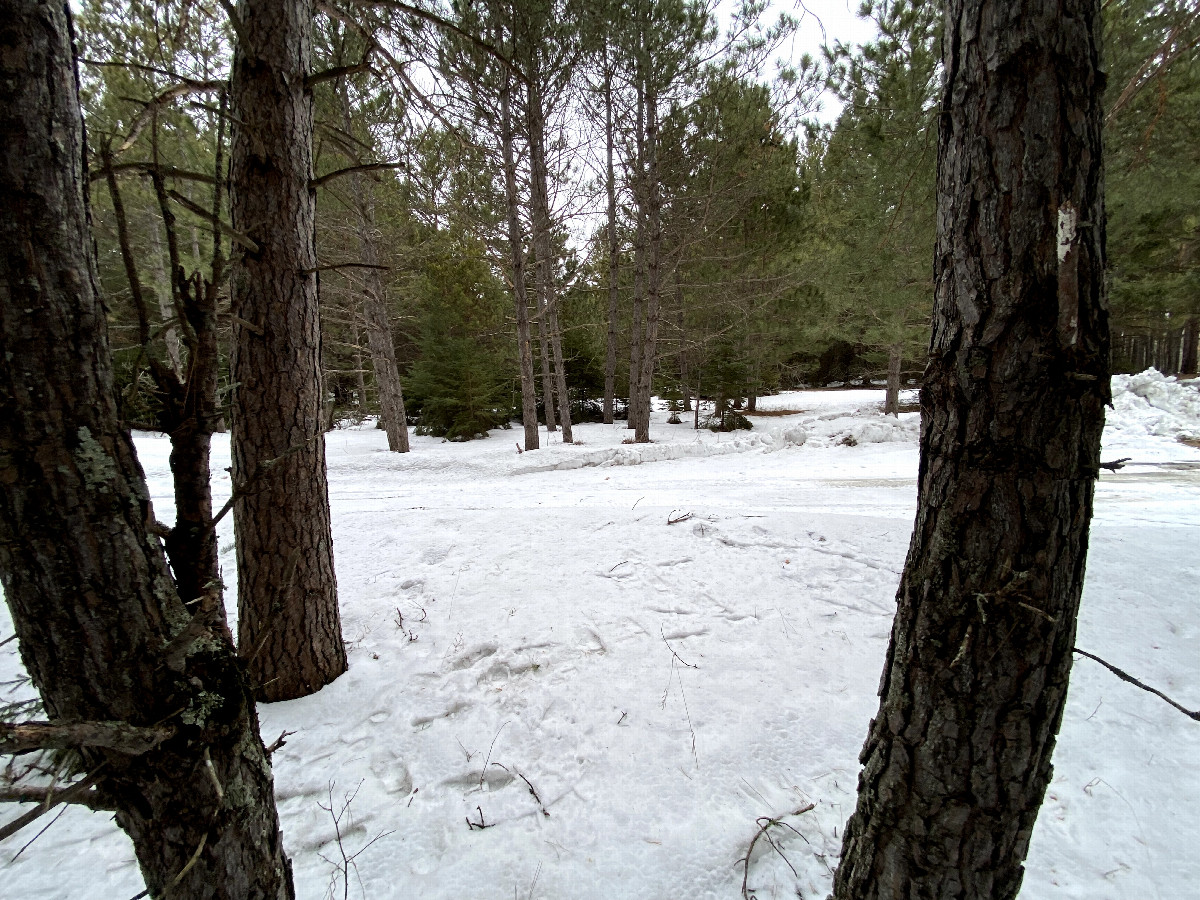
[[667, 642]]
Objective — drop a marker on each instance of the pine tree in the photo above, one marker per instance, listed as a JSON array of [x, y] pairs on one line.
[[104, 635], [957, 760]]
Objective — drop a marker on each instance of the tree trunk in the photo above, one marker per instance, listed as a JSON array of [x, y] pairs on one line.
[[1191, 336], [289, 628], [524, 344], [610, 359], [637, 326], [957, 760], [539, 201], [683, 351], [544, 348], [375, 312], [102, 631], [891, 403], [653, 265]]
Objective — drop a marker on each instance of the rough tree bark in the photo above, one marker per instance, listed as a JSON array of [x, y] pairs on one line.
[[375, 313], [957, 760], [103, 632], [891, 403], [289, 628], [515, 243]]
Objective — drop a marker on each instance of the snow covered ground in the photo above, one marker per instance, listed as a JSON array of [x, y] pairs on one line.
[[619, 658]]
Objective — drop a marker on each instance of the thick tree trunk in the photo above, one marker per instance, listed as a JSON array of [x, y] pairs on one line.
[[524, 344], [610, 359], [289, 627], [102, 631], [891, 402], [957, 760], [375, 312]]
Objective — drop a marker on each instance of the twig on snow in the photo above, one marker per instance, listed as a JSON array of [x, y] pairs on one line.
[[765, 823], [481, 824], [672, 649], [673, 519], [348, 859], [487, 762], [1125, 676], [532, 790]]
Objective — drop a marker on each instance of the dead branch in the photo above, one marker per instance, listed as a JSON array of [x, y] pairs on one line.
[[199, 210], [35, 794], [150, 110], [66, 796], [436, 20], [144, 166], [278, 742], [336, 72], [673, 519], [122, 737], [1125, 676], [333, 267], [349, 170]]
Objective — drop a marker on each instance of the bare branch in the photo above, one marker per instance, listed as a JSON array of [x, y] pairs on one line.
[[34, 794], [119, 736], [1125, 676], [199, 210], [76, 790], [183, 89], [365, 167]]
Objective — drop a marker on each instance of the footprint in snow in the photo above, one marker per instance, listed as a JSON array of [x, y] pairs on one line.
[[470, 657], [453, 709]]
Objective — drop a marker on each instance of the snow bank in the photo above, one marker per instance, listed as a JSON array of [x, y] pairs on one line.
[[636, 454], [1155, 404], [880, 430]]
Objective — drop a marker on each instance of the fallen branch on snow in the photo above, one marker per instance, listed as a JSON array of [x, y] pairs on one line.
[[1125, 676]]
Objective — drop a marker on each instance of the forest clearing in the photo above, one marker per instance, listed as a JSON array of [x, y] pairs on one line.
[[514, 627], [420, 474]]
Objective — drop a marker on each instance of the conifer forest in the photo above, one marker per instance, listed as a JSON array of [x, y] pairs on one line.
[[822, 355]]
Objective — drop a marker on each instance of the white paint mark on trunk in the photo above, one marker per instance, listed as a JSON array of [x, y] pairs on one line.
[[1068, 221]]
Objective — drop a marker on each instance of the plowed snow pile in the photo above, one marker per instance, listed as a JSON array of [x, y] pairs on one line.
[[1156, 404]]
